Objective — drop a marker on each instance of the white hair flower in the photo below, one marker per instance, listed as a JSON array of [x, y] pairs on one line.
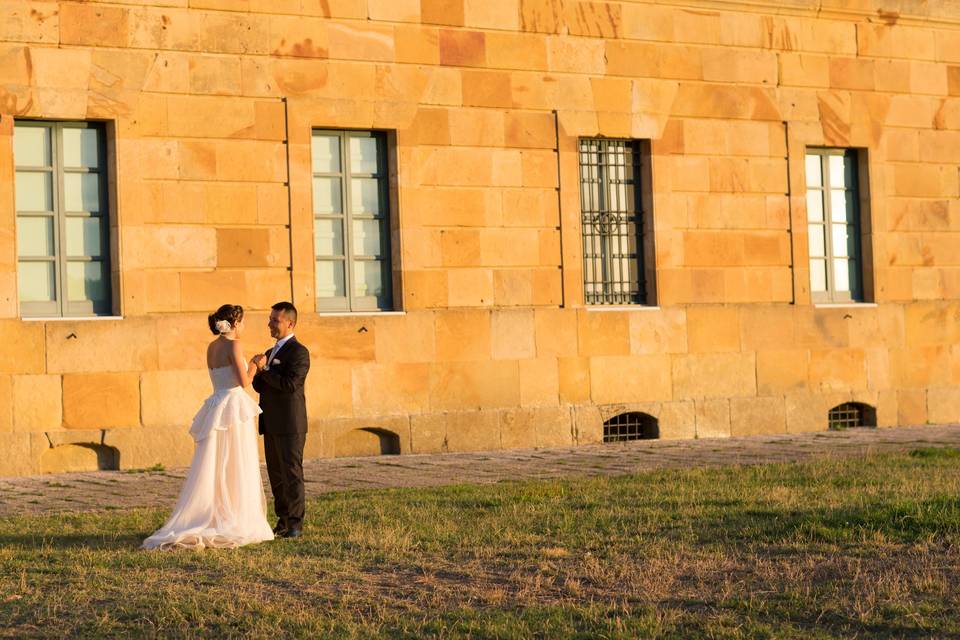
[[223, 326]]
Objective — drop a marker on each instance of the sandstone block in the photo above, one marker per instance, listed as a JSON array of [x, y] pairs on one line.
[[713, 329], [805, 412], [754, 416], [513, 287], [518, 428], [677, 420], [943, 405], [79, 346], [574, 379], [463, 335], [329, 388], [782, 371], [470, 288], [141, 448], [6, 404], [417, 45], [37, 403], [22, 347], [406, 338], [539, 382], [512, 334], [712, 418], [447, 12], [22, 452], [425, 289], [911, 406], [389, 389], [428, 433], [473, 431], [714, 375], [101, 400], [554, 427], [483, 384], [462, 48], [603, 333], [587, 424], [615, 379], [838, 370], [170, 398], [556, 332]]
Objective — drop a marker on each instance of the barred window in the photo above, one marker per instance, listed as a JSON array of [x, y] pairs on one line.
[[851, 414], [63, 223], [834, 225], [612, 214], [632, 425], [351, 221]]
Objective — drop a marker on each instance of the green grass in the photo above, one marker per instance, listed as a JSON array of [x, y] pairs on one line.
[[829, 549]]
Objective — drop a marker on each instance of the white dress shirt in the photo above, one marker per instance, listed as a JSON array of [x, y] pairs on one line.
[[276, 348]]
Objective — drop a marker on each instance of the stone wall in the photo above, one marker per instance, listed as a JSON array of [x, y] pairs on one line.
[[210, 105]]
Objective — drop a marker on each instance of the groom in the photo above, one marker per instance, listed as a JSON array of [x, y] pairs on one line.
[[281, 373]]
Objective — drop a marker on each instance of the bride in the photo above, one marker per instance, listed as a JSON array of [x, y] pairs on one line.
[[221, 504]]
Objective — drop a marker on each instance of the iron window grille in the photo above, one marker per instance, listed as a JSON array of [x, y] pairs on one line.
[[63, 221], [834, 227], [351, 207], [850, 415], [632, 425], [611, 221]]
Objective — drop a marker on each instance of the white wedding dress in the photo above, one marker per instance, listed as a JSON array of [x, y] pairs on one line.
[[221, 504]]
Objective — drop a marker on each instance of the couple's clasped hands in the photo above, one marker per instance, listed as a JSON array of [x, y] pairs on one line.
[[259, 361]]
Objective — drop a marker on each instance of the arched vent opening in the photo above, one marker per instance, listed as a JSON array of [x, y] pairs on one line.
[[632, 425], [851, 414], [367, 441]]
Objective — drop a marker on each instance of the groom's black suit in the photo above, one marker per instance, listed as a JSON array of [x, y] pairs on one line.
[[283, 425]]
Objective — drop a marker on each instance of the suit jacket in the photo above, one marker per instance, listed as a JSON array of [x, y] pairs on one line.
[[281, 390]]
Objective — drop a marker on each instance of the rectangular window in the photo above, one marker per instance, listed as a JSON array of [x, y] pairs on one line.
[[834, 227], [63, 228], [612, 212], [351, 221]]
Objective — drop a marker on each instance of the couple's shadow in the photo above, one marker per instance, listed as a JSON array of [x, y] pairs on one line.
[[69, 541]]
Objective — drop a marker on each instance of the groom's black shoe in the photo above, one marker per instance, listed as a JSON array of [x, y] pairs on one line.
[[294, 532], [280, 530]]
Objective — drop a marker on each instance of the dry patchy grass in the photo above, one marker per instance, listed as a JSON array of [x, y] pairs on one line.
[[835, 548]]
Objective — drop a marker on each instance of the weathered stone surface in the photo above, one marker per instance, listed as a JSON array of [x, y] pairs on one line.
[[108, 345], [943, 405], [141, 448], [101, 400], [714, 375], [473, 431], [171, 398], [630, 378], [22, 347], [37, 403], [752, 416], [712, 418]]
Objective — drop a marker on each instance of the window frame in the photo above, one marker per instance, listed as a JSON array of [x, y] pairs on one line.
[[640, 292], [855, 226], [61, 306], [351, 302]]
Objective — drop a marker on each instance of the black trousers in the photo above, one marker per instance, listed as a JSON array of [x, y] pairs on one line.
[[284, 454]]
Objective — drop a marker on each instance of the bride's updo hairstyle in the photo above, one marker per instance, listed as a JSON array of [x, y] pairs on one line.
[[224, 319]]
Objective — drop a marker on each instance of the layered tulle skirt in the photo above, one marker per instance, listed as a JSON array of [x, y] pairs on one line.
[[221, 504]]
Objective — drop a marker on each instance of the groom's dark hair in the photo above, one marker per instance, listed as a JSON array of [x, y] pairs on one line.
[[288, 309]]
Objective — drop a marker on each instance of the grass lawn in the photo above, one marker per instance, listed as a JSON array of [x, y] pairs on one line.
[[865, 548]]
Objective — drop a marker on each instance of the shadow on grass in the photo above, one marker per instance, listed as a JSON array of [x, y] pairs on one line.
[[94, 541], [908, 521]]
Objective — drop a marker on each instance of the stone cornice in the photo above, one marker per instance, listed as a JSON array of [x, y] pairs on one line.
[[890, 12]]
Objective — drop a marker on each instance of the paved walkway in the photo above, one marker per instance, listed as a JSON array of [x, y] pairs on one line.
[[102, 490]]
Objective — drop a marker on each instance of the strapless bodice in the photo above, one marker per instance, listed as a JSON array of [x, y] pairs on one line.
[[223, 378], [227, 407]]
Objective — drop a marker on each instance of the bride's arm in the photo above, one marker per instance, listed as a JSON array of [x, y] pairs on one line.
[[244, 370]]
